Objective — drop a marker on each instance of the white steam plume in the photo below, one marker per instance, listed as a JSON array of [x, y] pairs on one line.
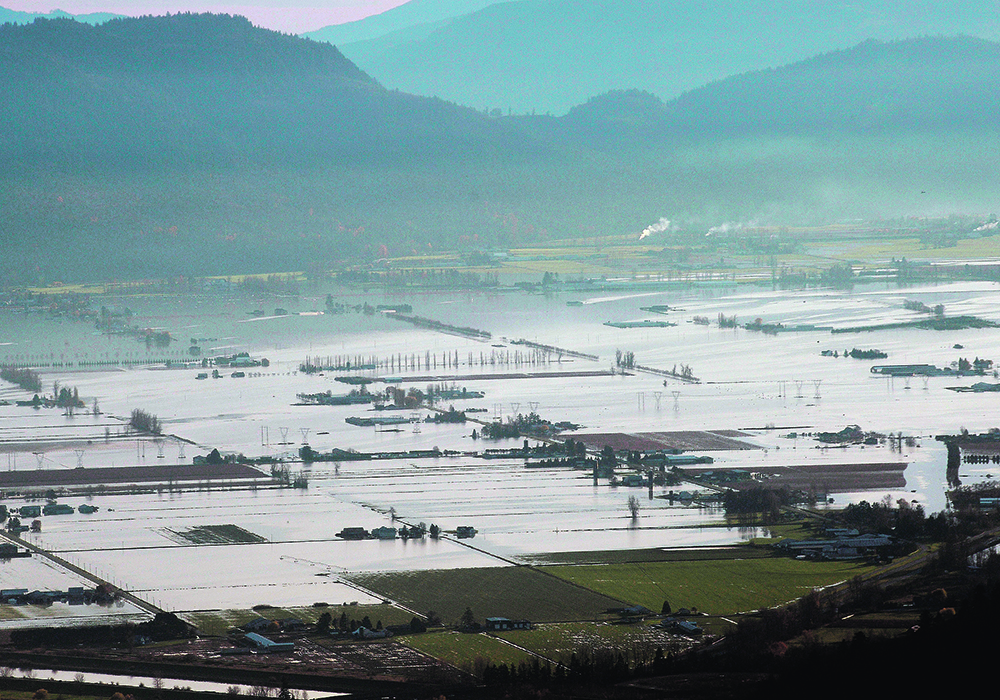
[[659, 227]]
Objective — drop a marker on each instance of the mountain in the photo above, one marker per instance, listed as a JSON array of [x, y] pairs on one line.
[[549, 55], [255, 147], [930, 84], [203, 89], [415, 19], [18, 17], [199, 144]]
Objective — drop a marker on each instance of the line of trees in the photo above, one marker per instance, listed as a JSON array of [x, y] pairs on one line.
[[871, 354], [625, 359], [27, 379], [145, 422]]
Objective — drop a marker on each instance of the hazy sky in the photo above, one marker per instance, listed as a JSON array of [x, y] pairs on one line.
[[293, 16]]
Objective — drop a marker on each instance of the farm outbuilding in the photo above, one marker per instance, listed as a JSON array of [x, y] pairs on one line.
[[265, 645], [500, 624]]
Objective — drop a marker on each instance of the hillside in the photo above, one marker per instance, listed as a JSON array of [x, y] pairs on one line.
[[199, 89], [416, 17], [198, 144], [8, 16], [926, 85], [251, 148], [549, 55]]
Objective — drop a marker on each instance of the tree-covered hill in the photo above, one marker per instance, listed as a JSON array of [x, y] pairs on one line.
[[549, 55], [207, 91], [8, 16], [926, 85], [415, 17], [199, 144]]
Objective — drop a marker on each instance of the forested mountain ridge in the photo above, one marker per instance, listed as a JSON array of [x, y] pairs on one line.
[[212, 89], [549, 55], [198, 144], [930, 84], [8, 16], [184, 41], [205, 89], [402, 18], [234, 139]]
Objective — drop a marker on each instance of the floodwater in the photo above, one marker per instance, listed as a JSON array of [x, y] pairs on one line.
[[774, 387]]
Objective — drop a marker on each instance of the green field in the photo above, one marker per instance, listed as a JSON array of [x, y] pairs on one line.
[[218, 534], [463, 650], [513, 591], [558, 642], [720, 587], [555, 642]]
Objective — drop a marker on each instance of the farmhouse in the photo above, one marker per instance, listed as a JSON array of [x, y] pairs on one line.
[[57, 509], [265, 645], [258, 624], [290, 625], [353, 533], [682, 626], [500, 624], [384, 533], [852, 547], [365, 633]]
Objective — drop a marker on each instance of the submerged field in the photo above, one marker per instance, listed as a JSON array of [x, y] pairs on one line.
[[219, 545]]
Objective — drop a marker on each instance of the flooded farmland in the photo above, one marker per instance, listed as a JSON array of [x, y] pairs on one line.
[[771, 391]]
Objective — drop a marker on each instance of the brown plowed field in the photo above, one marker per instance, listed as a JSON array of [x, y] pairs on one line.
[[684, 440], [835, 478], [126, 475]]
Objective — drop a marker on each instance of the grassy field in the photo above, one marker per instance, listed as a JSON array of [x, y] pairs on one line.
[[462, 650], [514, 592], [558, 642], [718, 587], [914, 250], [11, 612], [820, 248]]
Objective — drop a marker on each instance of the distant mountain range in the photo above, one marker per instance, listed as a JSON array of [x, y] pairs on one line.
[[197, 144], [549, 55], [188, 89], [18, 17], [412, 19], [929, 85]]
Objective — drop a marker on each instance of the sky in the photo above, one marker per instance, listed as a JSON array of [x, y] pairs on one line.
[[293, 16]]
